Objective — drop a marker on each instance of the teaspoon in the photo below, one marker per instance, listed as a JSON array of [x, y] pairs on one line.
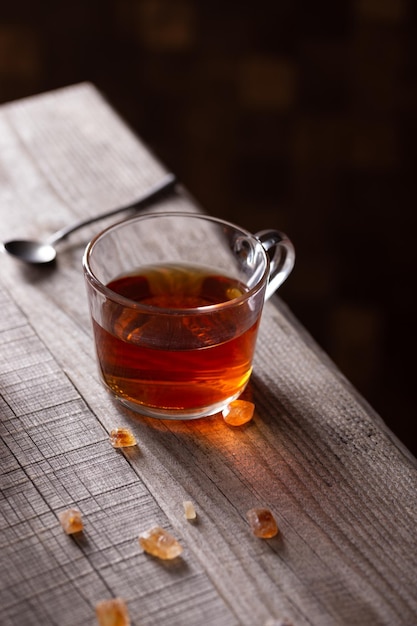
[[44, 252]]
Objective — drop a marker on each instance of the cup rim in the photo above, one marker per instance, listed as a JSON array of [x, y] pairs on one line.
[[149, 308]]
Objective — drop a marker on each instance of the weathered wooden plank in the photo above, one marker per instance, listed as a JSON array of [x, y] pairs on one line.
[[342, 488], [60, 458]]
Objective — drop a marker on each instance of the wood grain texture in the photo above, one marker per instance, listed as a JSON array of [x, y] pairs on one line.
[[342, 488]]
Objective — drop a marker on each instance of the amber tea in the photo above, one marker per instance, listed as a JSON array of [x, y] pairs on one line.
[[197, 358]]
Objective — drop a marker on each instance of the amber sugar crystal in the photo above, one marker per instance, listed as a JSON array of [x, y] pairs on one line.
[[262, 523], [122, 438], [71, 521], [160, 543], [112, 612], [238, 412]]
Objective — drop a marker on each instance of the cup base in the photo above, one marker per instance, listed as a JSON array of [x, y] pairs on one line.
[[174, 414]]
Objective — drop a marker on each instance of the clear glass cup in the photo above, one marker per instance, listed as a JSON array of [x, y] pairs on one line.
[[176, 300]]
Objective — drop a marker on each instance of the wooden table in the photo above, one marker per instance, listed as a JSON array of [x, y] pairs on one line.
[[342, 488]]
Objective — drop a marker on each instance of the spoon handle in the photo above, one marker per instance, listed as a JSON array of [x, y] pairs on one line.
[[158, 190]]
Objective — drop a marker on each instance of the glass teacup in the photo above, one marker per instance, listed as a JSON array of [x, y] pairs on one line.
[[176, 301]]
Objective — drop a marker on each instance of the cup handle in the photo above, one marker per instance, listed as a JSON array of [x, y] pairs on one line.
[[281, 255]]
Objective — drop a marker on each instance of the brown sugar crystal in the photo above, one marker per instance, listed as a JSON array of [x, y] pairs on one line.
[[238, 412], [160, 543], [112, 612], [262, 523], [71, 521], [122, 438]]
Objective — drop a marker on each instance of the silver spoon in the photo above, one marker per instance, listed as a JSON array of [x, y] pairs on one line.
[[38, 252]]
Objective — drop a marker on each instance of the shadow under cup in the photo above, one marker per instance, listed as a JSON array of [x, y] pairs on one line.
[[176, 300]]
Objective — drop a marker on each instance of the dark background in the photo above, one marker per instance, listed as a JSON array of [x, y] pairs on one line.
[[292, 115]]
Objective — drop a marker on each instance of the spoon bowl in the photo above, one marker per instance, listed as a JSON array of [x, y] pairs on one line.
[[38, 253], [30, 251]]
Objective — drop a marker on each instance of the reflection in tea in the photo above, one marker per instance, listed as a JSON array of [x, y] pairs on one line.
[[170, 355]]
